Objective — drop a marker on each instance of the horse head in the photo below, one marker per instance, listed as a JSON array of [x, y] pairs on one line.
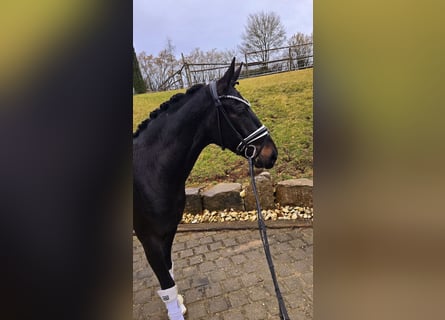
[[239, 129]]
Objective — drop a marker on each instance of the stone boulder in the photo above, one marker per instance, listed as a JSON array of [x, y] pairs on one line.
[[264, 186], [193, 203], [295, 192], [223, 196]]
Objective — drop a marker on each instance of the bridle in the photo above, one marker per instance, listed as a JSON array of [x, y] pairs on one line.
[[245, 147]]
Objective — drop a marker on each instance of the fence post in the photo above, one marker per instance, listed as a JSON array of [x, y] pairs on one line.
[[290, 59], [181, 82], [247, 66], [187, 71]]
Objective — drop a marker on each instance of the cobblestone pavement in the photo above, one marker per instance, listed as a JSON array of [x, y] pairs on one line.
[[224, 275]]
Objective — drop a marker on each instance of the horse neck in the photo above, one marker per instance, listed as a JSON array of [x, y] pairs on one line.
[[199, 123], [182, 136]]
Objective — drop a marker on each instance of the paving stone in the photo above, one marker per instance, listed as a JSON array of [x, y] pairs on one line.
[[309, 249], [231, 284], [303, 266], [142, 296], [215, 245], [192, 243], [206, 266], [189, 271], [223, 263], [297, 243], [196, 259], [256, 311], [284, 270], [197, 309], [238, 259], [213, 290], [218, 304], [282, 237], [186, 253], [250, 279], [205, 240], [151, 309], [193, 295], [217, 275], [212, 256], [233, 314], [141, 274], [226, 253], [297, 254], [201, 249], [182, 285], [308, 278], [239, 298], [259, 294], [307, 235], [219, 288], [229, 242]]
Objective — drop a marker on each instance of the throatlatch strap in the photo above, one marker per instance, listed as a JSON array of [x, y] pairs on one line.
[[218, 104], [214, 93]]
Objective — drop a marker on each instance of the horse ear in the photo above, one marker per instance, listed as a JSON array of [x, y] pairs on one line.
[[237, 73], [227, 78]]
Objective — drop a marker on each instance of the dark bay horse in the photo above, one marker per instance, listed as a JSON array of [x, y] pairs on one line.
[[165, 149]]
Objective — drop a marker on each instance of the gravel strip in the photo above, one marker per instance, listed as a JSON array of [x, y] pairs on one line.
[[279, 213]]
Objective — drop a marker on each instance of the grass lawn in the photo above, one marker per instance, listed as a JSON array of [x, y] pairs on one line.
[[283, 102]]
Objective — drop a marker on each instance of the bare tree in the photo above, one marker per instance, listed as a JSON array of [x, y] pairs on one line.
[[157, 70], [169, 53], [206, 66], [146, 64], [263, 31], [302, 49]]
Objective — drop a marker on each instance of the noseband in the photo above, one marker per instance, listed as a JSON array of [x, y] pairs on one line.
[[245, 143]]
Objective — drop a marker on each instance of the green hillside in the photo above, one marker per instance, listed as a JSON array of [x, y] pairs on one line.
[[283, 102]]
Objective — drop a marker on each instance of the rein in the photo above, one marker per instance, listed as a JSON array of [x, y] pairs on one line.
[[244, 146], [264, 239]]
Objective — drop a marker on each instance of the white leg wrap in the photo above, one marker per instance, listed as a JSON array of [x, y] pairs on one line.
[[174, 304]]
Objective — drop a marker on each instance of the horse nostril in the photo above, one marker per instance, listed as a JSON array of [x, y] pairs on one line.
[[274, 157]]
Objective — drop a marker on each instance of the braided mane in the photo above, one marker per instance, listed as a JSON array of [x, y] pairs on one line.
[[179, 97]]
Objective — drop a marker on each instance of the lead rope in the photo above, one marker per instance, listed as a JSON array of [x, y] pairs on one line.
[[264, 239]]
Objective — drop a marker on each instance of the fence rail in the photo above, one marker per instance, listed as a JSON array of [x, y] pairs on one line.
[[255, 63]]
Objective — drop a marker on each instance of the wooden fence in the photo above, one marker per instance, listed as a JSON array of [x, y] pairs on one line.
[[277, 60]]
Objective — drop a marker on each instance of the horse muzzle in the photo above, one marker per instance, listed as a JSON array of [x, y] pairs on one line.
[[268, 154]]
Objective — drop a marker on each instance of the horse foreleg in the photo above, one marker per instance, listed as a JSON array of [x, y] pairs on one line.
[[154, 248], [154, 251], [168, 243], [167, 246]]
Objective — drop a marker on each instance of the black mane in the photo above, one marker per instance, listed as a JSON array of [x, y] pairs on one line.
[[165, 106]]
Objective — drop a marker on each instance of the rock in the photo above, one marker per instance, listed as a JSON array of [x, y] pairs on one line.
[[193, 202], [295, 192], [223, 196], [264, 187]]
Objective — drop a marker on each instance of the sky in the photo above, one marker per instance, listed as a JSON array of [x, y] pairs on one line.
[[208, 24]]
